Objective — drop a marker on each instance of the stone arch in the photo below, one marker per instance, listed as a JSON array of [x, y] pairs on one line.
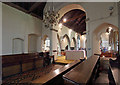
[[68, 7], [68, 40], [103, 27], [96, 35], [74, 40]]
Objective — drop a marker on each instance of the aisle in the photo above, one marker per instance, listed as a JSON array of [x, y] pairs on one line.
[[103, 75]]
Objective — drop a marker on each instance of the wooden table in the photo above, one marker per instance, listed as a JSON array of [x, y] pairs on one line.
[[82, 72]]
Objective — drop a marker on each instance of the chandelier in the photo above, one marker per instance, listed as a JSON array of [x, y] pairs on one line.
[[50, 17]]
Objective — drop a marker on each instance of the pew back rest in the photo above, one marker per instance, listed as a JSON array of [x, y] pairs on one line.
[[13, 64]]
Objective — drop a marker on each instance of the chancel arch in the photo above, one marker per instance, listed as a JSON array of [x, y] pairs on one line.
[[18, 46], [75, 16], [68, 7], [105, 36]]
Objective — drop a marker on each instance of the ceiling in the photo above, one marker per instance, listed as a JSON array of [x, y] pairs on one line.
[[33, 8], [75, 20]]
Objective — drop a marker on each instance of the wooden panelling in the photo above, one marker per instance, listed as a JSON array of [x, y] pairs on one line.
[[27, 66], [39, 63], [11, 70], [13, 64]]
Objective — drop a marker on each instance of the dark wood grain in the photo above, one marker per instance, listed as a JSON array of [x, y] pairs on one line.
[[76, 20], [82, 72], [116, 74], [52, 75]]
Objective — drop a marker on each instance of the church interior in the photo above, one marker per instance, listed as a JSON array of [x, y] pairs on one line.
[[60, 43]]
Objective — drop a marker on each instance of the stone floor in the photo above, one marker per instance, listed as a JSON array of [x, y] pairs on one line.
[[103, 76]]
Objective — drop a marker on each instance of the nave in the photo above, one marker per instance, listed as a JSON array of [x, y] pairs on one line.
[[66, 43]]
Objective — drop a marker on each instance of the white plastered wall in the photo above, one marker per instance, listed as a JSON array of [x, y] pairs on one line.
[[0, 43], [17, 24]]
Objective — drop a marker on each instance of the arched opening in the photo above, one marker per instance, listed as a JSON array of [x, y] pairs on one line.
[[72, 21], [73, 16], [105, 39], [73, 44], [69, 7], [65, 43]]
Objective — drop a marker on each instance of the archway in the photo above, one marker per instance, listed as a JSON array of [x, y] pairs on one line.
[[77, 22], [65, 41], [98, 32], [73, 44], [69, 7]]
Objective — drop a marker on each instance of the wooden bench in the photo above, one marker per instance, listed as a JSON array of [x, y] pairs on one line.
[[19, 63], [84, 73], [114, 73], [55, 77]]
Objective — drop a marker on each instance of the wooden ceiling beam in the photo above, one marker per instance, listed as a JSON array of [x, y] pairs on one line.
[[75, 23], [22, 9], [82, 22], [34, 6], [79, 16], [16, 6]]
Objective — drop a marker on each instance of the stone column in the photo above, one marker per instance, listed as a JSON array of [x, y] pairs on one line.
[[51, 49]]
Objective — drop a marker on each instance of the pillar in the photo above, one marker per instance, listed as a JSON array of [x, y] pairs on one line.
[[51, 49], [119, 25]]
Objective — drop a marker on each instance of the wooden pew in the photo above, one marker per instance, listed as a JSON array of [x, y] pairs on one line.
[[84, 73], [19, 63], [114, 73], [55, 77]]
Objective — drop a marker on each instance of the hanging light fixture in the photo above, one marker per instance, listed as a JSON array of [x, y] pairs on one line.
[[50, 17]]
